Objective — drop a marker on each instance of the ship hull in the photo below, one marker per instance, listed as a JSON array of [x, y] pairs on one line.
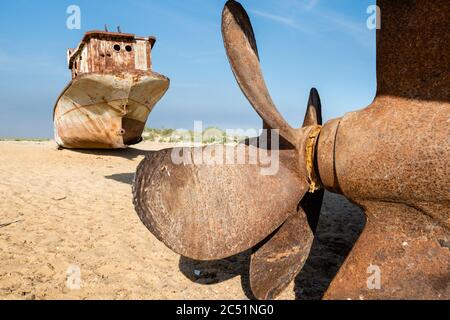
[[106, 111]]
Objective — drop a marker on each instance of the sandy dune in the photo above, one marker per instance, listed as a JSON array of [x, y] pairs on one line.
[[61, 210]]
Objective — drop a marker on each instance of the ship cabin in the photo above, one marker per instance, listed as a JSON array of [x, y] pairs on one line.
[[108, 52]]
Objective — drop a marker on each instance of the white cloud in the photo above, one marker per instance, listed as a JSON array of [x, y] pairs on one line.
[[357, 30], [309, 4], [279, 19], [300, 5], [318, 16]]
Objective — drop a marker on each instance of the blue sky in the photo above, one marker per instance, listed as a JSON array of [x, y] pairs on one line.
[[302, 43]]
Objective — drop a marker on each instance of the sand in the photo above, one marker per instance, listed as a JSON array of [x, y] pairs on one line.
[[64, 213]]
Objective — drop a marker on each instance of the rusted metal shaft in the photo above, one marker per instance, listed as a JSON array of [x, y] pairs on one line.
[[392, 159]]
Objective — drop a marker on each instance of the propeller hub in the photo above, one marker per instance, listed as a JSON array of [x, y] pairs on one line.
[[325, 156]]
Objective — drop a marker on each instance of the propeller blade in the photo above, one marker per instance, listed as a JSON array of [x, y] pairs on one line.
[[276, 263], [242, 52], [312, 202], [313, 115], [210, 212]]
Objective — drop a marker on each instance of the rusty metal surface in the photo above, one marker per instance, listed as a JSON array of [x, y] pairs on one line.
[[393, 164], [410, 249], [210, 212], [390, 158], [112, 93], [325, 155], [99, 47], [275, 264], [311, 203], [106, 110], [242, 52], [413, 58]]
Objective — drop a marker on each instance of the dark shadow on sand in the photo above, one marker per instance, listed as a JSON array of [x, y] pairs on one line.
[[129, 153], [212, 272], [122, 177], [340, 225]]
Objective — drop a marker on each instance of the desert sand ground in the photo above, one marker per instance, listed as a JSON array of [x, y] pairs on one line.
[[61, 210]]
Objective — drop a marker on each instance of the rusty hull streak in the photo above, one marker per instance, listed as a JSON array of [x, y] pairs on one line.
[[112, 92], [391, 159], [105, 110]]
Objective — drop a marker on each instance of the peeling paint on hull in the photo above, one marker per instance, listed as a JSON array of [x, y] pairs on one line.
[[106, 111]]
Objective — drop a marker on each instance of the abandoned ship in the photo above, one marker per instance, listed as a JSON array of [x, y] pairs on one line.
[[111, 94]]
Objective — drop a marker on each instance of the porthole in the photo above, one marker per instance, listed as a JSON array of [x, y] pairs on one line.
[[129, 48], [117, 47]]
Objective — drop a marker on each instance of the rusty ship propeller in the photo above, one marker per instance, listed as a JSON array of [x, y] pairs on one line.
[[277, 260], [209, 212]]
